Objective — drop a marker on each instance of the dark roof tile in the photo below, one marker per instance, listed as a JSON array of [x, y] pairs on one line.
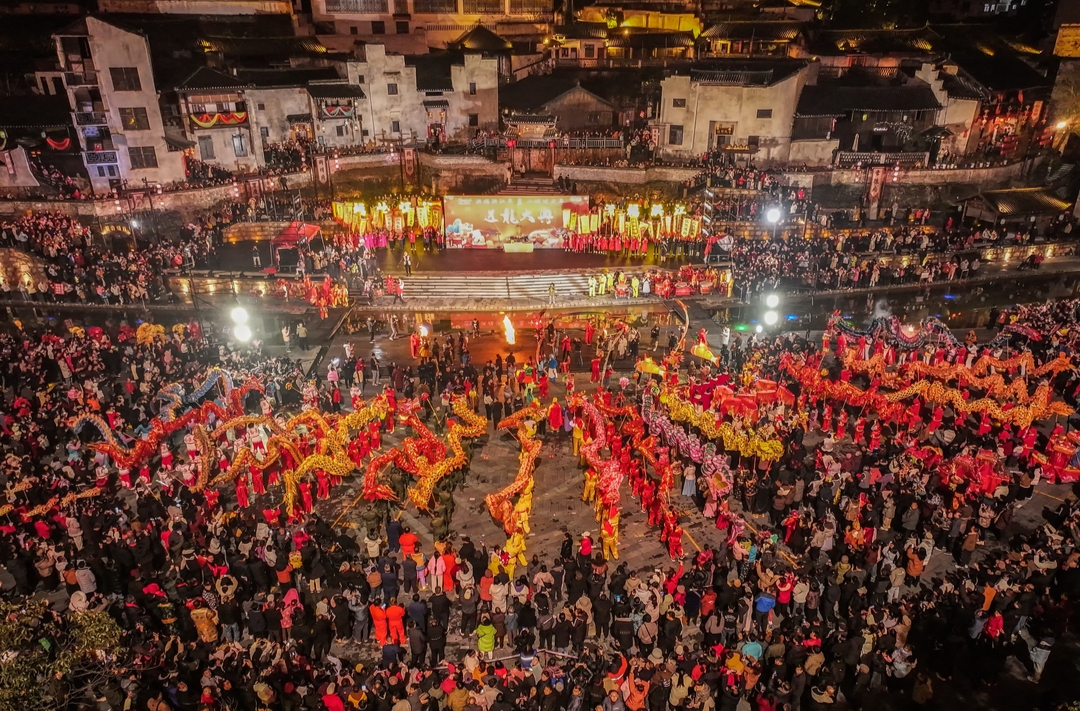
[[481, 39], [767, 31], [1023, 201], [831, 100]]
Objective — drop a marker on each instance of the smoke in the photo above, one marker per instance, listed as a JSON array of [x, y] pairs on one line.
[[881, 309]]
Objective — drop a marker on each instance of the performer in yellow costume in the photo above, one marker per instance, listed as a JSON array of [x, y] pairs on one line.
[[609, 535]]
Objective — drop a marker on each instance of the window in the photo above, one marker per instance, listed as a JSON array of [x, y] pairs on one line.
[[529, 7], [142, 157], [264, 131], [134, 119], [402, 27], [472, 88], [764, 113], [474, 119], [378, 27], [354, 30], [753, 140], [358, 6], [395, 127], [360, 79], [239, 146], [678, 103], [391, 89], [206, 147], [260, 106], [590, 51], [125, 78], [674, 135], [434, 7], [482, 7], [340, 131]]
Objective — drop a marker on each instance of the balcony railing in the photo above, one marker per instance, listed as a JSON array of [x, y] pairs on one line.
[[90, 118], [100, 158], [561, 142], [81, 78], [865, 159], [620, 62]]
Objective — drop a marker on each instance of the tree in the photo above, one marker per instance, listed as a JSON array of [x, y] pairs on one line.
[[45, 658]]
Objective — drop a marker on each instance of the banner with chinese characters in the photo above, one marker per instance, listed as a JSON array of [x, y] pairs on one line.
[[514, 223]]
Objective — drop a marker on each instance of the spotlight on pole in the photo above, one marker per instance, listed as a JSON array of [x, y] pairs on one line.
[[772, 301], [773, 215], [242, 332], [771, 318], [239, 315]]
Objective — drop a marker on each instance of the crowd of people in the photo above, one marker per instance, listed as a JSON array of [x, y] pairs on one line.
[[868, 570], [865, 258]]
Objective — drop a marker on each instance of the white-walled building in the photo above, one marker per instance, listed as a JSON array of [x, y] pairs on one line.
[[109, 78], [428, 97], [961, 98], [745, 108]]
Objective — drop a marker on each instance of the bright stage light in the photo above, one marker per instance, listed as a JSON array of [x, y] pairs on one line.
[[242, 333], [773, 215], [771, 318], [772, 301], [239, 315]]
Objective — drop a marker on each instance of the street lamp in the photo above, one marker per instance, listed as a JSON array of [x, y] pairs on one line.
[[773, 218], [241, 330]]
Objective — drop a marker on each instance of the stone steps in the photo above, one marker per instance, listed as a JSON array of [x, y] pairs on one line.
[[476, 286]]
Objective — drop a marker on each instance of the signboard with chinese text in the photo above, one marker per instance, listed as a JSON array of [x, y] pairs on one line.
[[495, 221], [1067, 44]]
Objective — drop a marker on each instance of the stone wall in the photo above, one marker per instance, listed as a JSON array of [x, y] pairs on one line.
[[632, 176], [460, 174], [987, 177], [185, 204]]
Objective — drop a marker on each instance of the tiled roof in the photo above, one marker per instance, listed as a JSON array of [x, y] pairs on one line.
[[206, 79], [773, 31], [831, 100], [481, 39], [533, 93], [1023, 201], [963, 86], [432, 71], [280, 78]]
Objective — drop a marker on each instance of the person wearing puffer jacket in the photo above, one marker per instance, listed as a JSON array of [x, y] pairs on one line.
[[84, 576], [77, 602]]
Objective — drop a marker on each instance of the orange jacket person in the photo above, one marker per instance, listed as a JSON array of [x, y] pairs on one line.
[[378, 618], [395, 615]]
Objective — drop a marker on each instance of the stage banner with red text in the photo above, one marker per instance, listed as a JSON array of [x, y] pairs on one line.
[[514, 223]]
